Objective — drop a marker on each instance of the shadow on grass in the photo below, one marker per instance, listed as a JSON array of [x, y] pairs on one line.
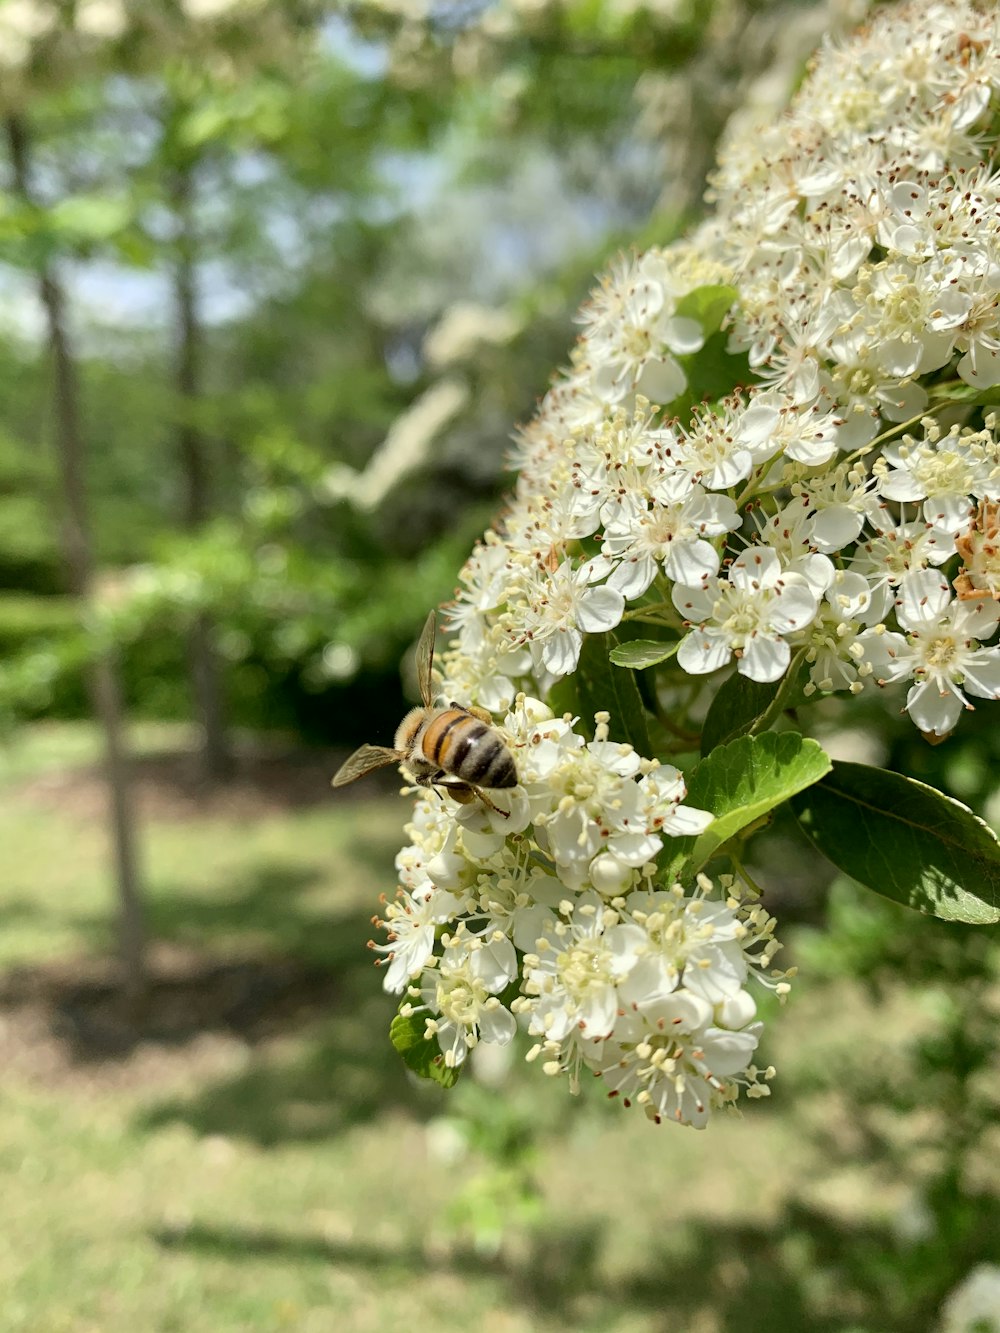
[[807, 1270], [268, 960], [251, 960], [344, 1072], [265, 903], [22, 911], [267, 777], [341, 1070]]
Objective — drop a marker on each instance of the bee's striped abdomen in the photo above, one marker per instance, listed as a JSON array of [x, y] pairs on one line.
[[466, 748]]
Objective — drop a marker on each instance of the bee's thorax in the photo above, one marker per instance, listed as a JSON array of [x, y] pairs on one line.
[[408, 729]]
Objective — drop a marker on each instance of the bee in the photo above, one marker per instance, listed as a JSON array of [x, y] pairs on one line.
[[452, 747]]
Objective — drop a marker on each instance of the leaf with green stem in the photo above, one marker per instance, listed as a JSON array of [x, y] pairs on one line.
[[744, 707], [964, 395], [741, 783], [712, 374], [708, 305]]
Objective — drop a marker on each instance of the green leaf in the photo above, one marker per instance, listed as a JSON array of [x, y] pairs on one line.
[[969, 395], [711, 374], [564, 698], [640, 653], [745, 707], [209, 121], [90, 217], [742, 782], [708, 305], [421, 1054], [602, 687], [737, 705], [906, 841]]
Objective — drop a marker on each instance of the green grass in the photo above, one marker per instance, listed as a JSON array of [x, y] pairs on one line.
[[45, 747], [297, 1179]]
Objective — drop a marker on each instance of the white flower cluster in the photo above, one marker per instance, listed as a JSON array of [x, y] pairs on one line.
[[548, 914], [773, 450], [839, 500]]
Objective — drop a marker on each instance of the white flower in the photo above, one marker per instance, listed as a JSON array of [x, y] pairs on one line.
[[572, 975], [949, 473], [941, 652], [563, 606], [748, 614], [674, 1067], [807, 433], [633, 334], [836, 657], [690, 942], [789, 533], [461, 995], [484, 665], [900, 550], [411, 922], [788, 512], [207, 10], [974, 1305], [102, 19], [721, 447], [838, 503], [662, 790], [590, 806], [22, 22], [670, 533]]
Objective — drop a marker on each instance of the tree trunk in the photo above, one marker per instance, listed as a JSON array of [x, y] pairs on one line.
[[205, 674], [104, 681]]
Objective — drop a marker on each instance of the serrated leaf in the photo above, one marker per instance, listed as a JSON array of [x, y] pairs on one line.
[[745, 780], [638, 654], [708, 305], [600, 687], [420, 1053], [906, 841]]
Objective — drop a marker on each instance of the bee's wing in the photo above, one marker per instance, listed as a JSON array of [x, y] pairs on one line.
[[364, 760], [425, 660]]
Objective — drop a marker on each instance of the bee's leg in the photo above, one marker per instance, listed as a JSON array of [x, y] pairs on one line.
[[465, 793], [440, 781], [461, 791], [432, 781], [486, 801]]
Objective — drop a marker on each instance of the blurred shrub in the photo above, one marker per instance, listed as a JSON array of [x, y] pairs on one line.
[[25, 619], [924, 1103]]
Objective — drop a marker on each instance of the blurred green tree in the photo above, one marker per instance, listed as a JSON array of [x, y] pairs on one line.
[[312, 261]]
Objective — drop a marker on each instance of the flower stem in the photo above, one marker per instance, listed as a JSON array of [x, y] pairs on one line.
[[745, 875], [779, 702]]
